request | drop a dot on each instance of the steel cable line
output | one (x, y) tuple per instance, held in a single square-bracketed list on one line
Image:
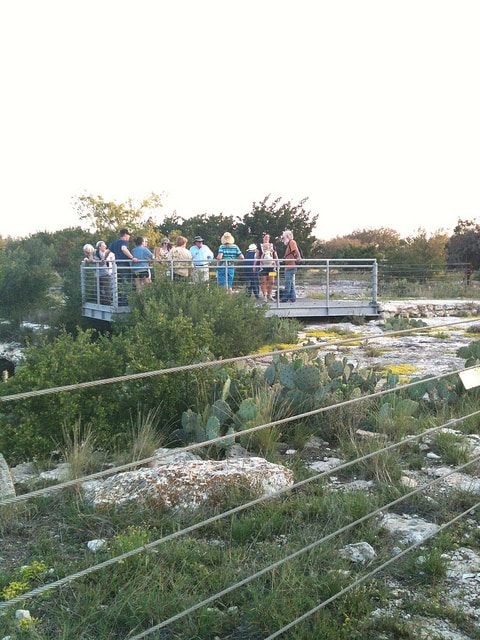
[(303, 550), (201, 365), (201, 445), (151, 545), (369, 575)]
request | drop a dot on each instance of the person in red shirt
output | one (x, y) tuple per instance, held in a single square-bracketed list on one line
[(290, 257)]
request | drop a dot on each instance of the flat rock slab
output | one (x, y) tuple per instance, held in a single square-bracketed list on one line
[(188, 484)]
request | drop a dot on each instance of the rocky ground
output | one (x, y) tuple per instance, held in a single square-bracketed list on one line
[(426, 353)]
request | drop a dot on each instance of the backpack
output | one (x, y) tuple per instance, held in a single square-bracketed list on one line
[(267, 259), (299, 259)]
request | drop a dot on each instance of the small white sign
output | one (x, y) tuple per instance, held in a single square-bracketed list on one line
[(470, 378)]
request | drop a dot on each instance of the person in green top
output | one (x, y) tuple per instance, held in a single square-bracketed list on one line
[(228, 252)]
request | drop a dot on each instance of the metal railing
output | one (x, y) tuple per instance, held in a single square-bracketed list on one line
[(107, 288)]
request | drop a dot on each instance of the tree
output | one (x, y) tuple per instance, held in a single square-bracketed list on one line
[(26, 275), (211, 228), (418, 257), (361, 243), (273, 218), (107, 217), (464, 245)]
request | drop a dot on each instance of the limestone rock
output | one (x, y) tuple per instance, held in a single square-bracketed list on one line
[(7, 490), (408, 529), (359, 552), (188, 484)]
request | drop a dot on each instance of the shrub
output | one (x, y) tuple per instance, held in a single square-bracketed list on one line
[(227, 319), (170, 325)]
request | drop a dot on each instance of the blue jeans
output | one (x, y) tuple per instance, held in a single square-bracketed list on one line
[(252, 284), (289, 291), (225, 276)]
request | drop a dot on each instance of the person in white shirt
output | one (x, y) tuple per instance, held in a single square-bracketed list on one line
[(201, 255)]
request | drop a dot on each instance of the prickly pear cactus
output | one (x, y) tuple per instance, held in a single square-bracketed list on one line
[(270, 374), (190, 421), (247, 410), (285, 375), (335, 369), (307, 378), (321, 394), (221, 410), (229, 441), (212, 428), (299, 401)]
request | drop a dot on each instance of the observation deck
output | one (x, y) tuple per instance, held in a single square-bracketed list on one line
[(325, 288)]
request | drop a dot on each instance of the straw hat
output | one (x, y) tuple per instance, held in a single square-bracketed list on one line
[(227, 238)]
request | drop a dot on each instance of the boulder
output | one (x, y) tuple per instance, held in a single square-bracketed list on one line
[(188, 484)]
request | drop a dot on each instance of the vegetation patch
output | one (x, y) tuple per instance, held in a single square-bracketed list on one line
[(405, 371)]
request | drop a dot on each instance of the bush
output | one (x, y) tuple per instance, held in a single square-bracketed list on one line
[(170, 325), (227, 320)]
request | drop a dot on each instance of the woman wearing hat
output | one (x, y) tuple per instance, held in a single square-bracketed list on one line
[(201, 254), (228, 252)]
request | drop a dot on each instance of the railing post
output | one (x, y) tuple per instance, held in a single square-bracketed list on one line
[(83, 284), (97, 281), (374, 282), (114, 287), (327, 283), (278, 282)]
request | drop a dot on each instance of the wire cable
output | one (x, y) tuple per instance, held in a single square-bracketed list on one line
[(111, 561), (238, 434), (201, 365), (296, 554), (372, 573)]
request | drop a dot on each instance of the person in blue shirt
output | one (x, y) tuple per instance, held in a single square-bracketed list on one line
[(122, 255), (201, 255), (141, 269), (228, 252)]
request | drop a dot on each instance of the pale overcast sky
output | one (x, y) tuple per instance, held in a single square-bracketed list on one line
[(370, 108)]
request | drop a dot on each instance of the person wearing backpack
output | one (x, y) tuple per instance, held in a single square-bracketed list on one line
[(292, 257), (267, 262)]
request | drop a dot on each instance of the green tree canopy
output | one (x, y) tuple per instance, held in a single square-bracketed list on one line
[(464, 244), (108, 217), (26, 275), (210, 227), (274, 217), (361, 243)]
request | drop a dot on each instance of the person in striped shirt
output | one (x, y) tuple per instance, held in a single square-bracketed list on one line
[(228, 252)]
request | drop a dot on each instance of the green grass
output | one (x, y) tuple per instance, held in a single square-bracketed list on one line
[(46, 538), (142, 590)]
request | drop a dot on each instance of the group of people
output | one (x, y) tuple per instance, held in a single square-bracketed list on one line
[(135, 263), (263, 264), (260, 269)]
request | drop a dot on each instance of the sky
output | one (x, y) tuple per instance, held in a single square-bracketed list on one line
[(368, 108)]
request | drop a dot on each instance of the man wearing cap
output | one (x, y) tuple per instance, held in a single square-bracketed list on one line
[(201, 255), (122, 254)]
